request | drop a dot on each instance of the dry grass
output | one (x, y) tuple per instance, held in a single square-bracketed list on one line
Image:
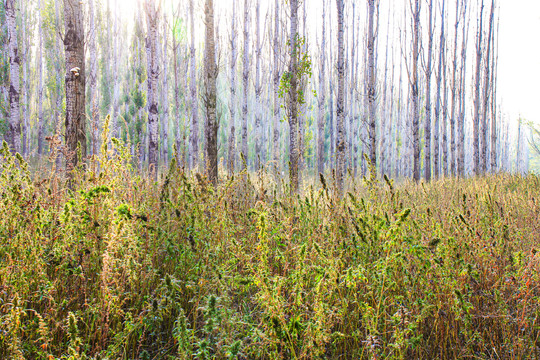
[(118, 267)]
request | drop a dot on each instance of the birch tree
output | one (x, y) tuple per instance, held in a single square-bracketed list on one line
[(245, 86), (436, 125), (165, 96), (414, 89), (322, 96), (41, 119), (486, 96), (194, 137), (477, 94), (14, 77), (93, 74), (232, 105), (152, 14), (372, 85), (258, 88), (276, 79), (427, 127), (292, 98), (340, 111), (75, 79), (211, 72)]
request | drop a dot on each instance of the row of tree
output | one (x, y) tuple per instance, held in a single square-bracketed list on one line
[(397, 92)]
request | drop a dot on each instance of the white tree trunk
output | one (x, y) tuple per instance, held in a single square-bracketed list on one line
[(40, 82), (152, 84), (340, 111), (14, 78), (165, 97), (194, 150), (245, 87)]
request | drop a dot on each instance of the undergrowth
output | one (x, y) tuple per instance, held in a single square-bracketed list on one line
[(111, 265)]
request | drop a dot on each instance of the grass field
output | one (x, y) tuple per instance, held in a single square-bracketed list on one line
[(118, 267)]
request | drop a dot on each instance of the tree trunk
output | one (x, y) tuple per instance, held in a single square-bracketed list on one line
[(25, 88), (414, 91), (340, 113), (75, 81), (436, 125), (165, 97), (93, 80), (115, 72), (232, 105), (292, 100), (14, 73), (372, 88), (276, 62), (322, 96), (152, 84), (487, 87), (453, 159), (245, 87), (211, 72), (462, 88), (194, 159), (40, 82), (427, 128), (477, 91), (258, 89)]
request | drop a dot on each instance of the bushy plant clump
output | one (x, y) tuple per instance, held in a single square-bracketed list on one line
[(111, 265)]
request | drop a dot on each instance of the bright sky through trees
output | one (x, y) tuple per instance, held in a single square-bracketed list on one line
[(519, 55)]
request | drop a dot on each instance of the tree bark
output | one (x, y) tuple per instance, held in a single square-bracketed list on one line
[(372, 88), (165, 97), (322, 96), (292, 100), (75, 78), (462, 92), (477, 92), (486, 97), (453, 135), (277, 76), (427, 127), (211, 72), (340, 113), (194, 140), (232, 105), (152, 14), (245, 87), (40, 82), (14, 78), (258, 89), (414, 91), (436, 125)]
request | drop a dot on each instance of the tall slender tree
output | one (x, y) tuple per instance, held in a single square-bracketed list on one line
[(194, 137), (292, 98), (340, 111), (14, 77), (427, 127), (41, 119), (165, 96), (372, 84), (75, 79), (322, 96), (477, 93), (277, 76), (258, 87), (245, 86), (152, 15), (210, 98), (414, 90), (484, 155)]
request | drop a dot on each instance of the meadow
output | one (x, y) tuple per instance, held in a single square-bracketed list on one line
[(112, 265)]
